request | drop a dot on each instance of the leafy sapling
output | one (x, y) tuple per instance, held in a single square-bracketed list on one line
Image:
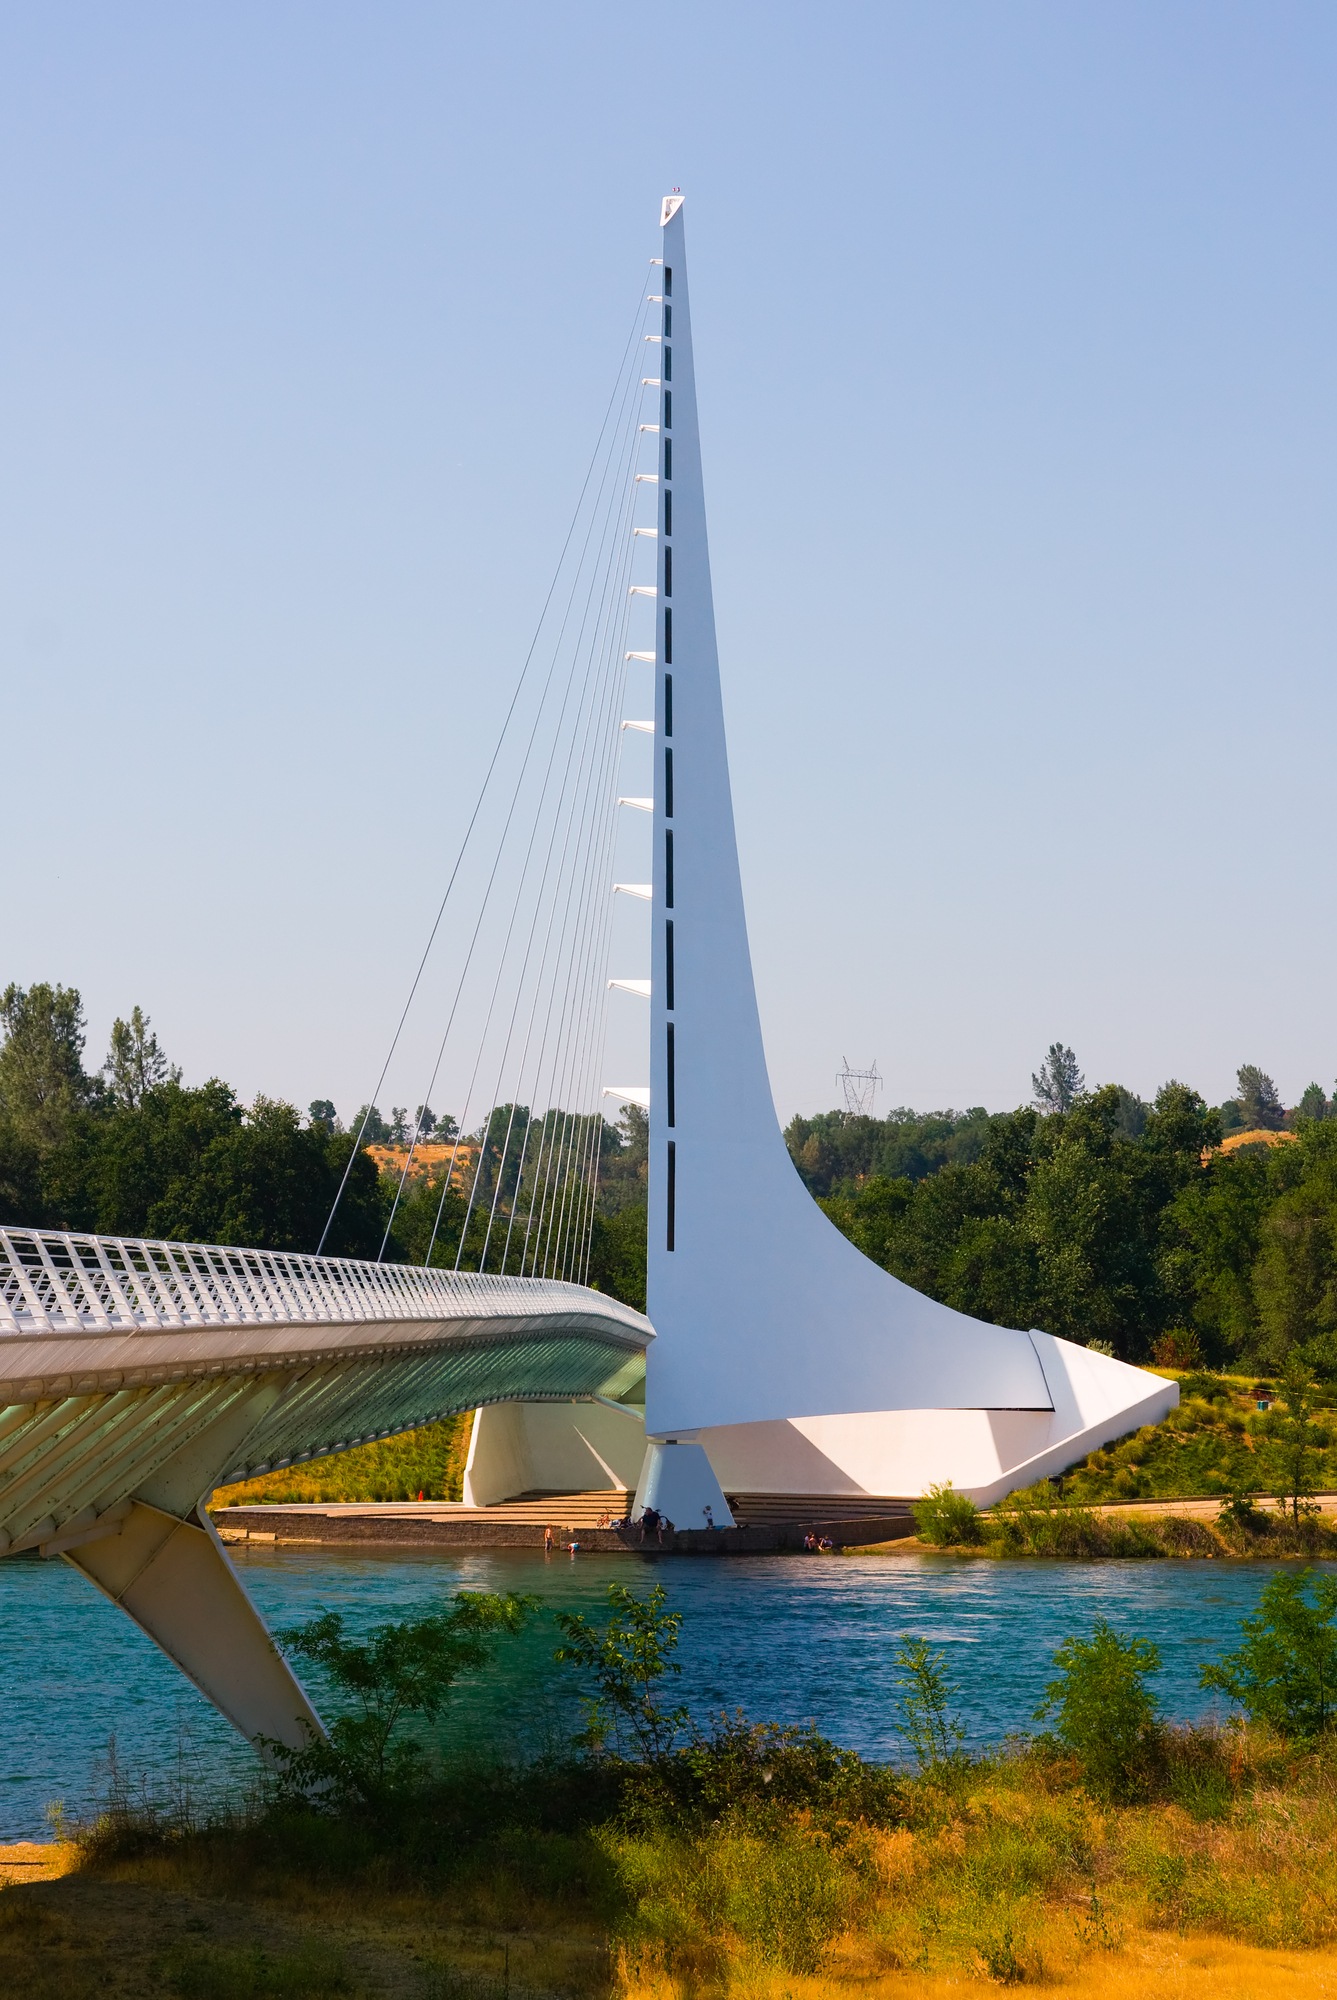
[(401, 1672), (1285, 1671), (1296, 1441), (623, 1665), (927, 1692), (1104, 1712)]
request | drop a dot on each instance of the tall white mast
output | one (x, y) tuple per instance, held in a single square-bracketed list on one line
[(765, 1314)]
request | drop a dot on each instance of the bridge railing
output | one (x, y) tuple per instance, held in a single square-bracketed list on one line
[(54, 1282)]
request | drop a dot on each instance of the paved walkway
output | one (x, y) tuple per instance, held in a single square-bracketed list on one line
[(1204, 1510)]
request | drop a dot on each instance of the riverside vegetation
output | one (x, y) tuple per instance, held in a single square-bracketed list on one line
[(1282, 1447), (649, 1859), (1092, 1213)]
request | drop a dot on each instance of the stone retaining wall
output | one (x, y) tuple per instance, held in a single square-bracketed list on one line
[(384, 1527)]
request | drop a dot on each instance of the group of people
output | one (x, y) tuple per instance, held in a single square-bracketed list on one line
[(651, 1522), (817, 1545)]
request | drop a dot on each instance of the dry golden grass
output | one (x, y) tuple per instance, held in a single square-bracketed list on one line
[(1150, 1966), (1013, 1875)]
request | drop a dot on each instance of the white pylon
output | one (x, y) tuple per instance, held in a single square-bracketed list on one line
[(795, 1361)]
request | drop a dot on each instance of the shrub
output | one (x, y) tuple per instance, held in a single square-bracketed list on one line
[(1241, 1511), (927, 1723), (744, 1769), (1179, 1348), (1285, 1672), (947, 1518), (1105, 1713), (404, 1669), (623, 1665)]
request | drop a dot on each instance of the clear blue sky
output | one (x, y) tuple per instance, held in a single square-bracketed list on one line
[(1015, 334)]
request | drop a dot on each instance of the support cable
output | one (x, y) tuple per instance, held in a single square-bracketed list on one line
[(487, 779)]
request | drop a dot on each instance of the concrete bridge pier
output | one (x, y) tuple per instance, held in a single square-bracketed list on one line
[(173, 1577), (159, 1558)]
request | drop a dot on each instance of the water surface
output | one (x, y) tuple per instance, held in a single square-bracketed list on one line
[(787, 1638)]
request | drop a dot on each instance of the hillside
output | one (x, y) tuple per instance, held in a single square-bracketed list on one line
[(430, 1461), (1217, 1442)]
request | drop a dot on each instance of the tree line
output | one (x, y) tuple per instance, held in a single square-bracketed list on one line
[(128, 1149), (1103, 1218), (1089, 1212)]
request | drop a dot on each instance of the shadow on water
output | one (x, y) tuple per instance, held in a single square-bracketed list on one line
[(790, 1639)]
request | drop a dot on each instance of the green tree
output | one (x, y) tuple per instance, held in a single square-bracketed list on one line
[(1058, 1082), (135, 1061), (1294, 1275), (1104, 1712), (42, 1080), (624, 1158), (369, 1127), (1314, 1102), (623, 1664), (197, 1166), (21, 1193), (1296, 1439), (617, 1255), (1211, 1233), (1260, 1106), (836, 1154), (1285, 1671), (321, 1111), (871, 1214), (402, 1673)]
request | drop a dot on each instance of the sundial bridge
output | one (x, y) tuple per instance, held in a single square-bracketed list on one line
[(774, 1357)]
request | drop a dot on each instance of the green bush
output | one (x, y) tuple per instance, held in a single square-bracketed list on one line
[(927, 1722), (1285, 1672), (947, 1518), (745, 1769), (623, 1666), (404, 1671), (1105, 1714)]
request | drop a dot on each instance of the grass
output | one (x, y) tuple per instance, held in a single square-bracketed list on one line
[(1037, 1523), (429, 1460), (1216, 1442), (577, 1880)]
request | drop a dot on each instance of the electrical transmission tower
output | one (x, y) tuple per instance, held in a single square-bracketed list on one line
[(860, 1089)]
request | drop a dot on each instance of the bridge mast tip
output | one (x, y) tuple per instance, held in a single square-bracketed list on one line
[(669, 207)]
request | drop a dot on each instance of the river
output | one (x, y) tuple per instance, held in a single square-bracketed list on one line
[(785, 1638)]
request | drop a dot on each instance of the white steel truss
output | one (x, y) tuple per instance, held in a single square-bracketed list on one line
[(55, 1282)]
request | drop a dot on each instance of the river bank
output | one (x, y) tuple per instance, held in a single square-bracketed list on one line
[(1195, 1529), (1009, 1871)]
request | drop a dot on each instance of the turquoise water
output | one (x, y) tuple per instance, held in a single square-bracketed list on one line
[(786, 1638)]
